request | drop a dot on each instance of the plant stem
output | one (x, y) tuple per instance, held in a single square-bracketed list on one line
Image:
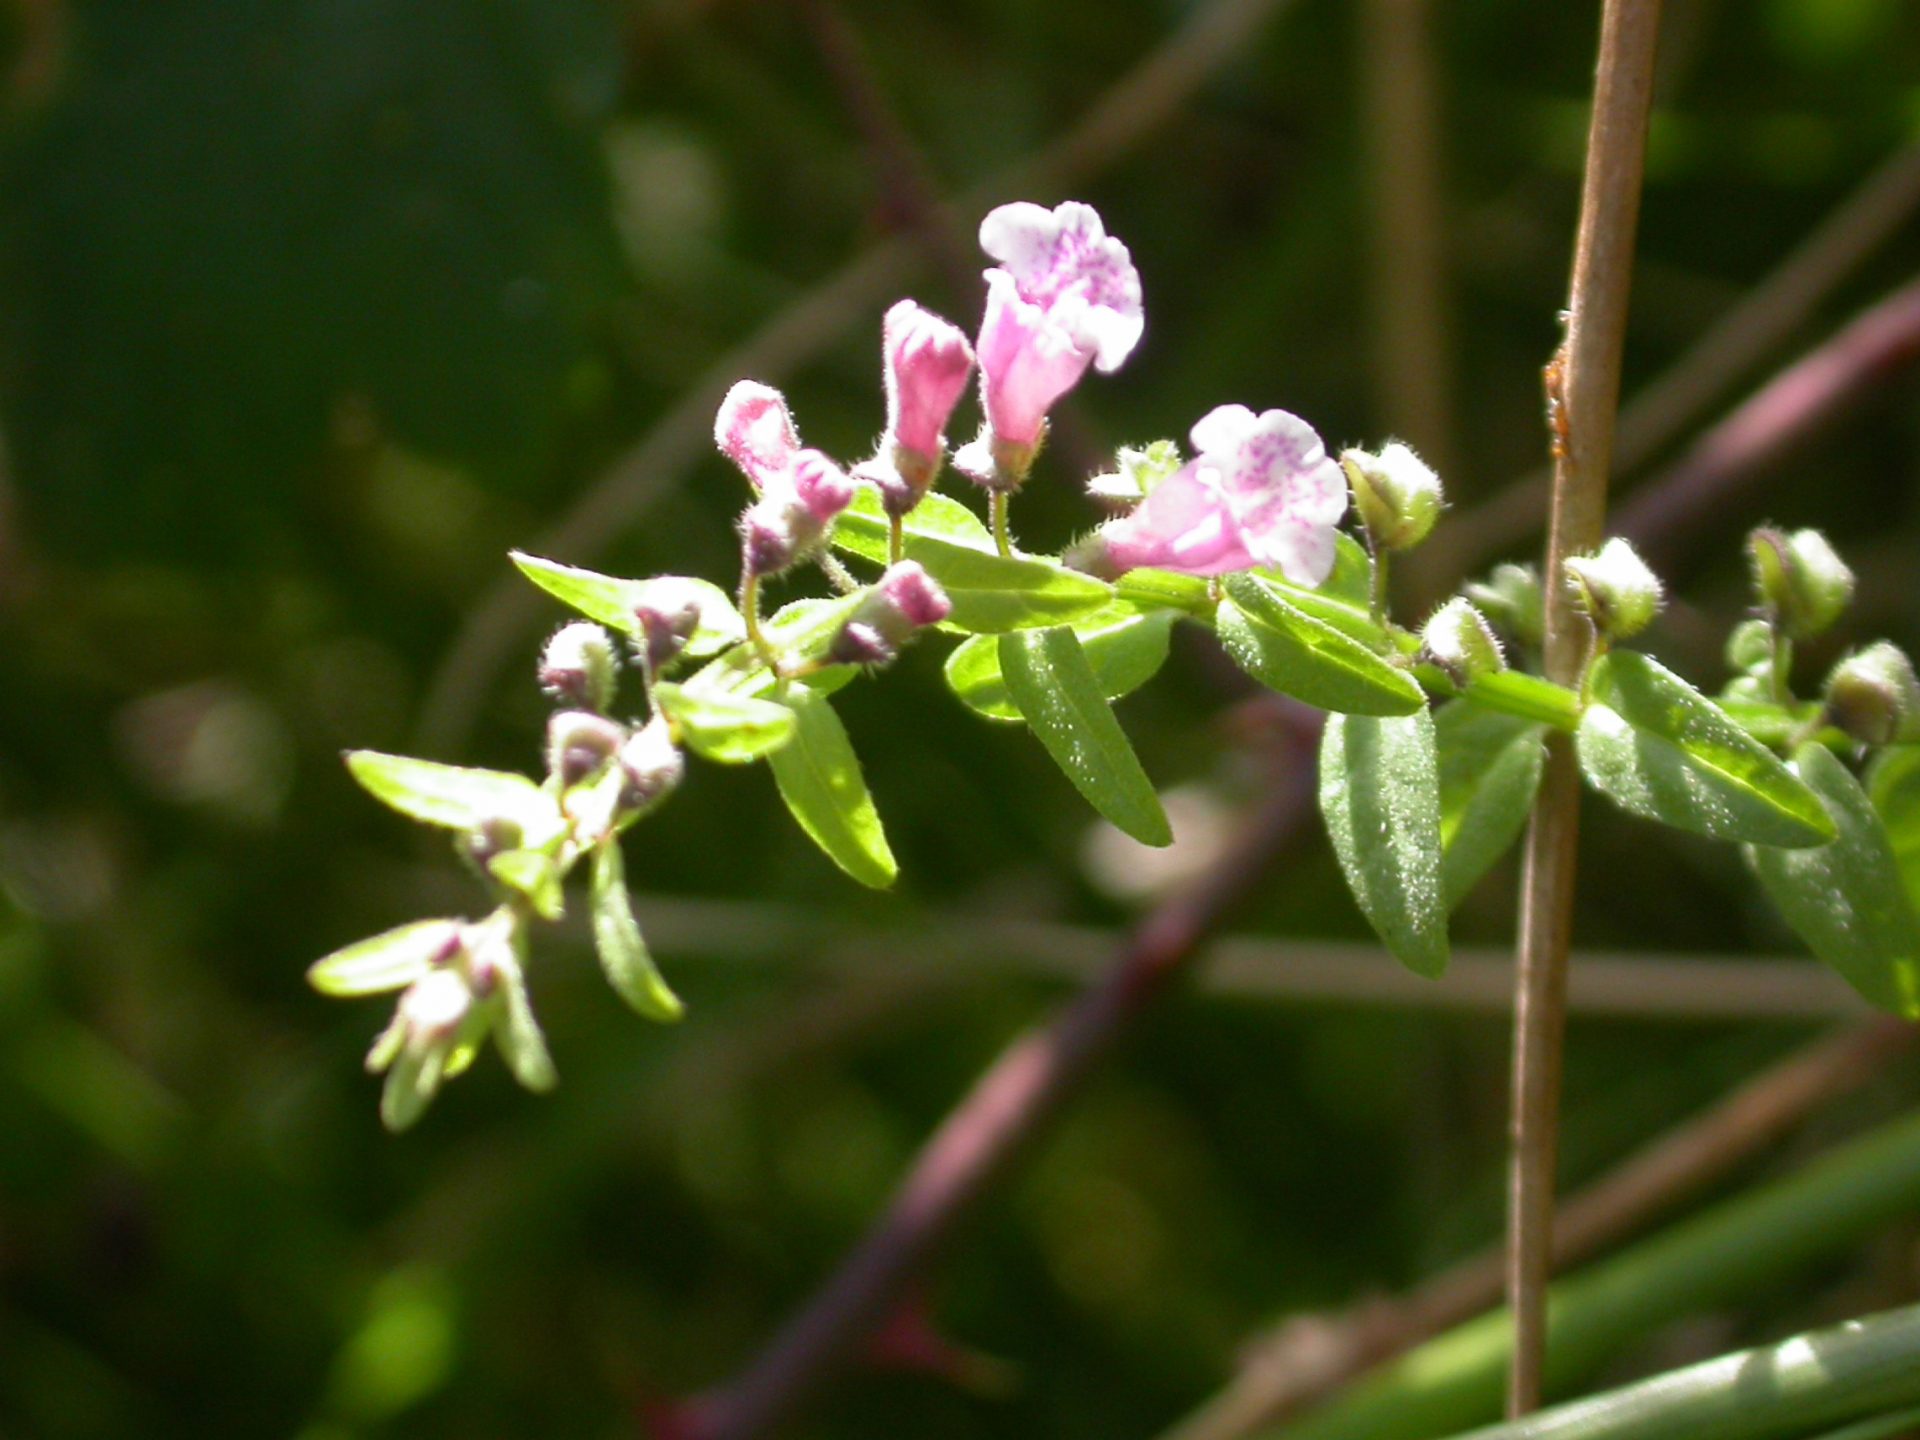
[(896, 539), (1002, 537), (1587, 397), (750, 615)]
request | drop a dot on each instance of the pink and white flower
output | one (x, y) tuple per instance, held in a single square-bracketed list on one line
[(801, 492), (1065, 296), (1262, 491)]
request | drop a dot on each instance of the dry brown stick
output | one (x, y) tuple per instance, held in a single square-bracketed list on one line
[(1770, 312), (1130, 109), (1305, 1360), (1007, 1108), (1584, 387)]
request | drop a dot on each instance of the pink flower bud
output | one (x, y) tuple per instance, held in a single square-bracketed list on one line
[(927, 365), (755, 430), (913, 595), (822, 487), (861, 644)]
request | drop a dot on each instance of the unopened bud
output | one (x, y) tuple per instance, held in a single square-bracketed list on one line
[(491, 838), (904, 601), (1874, 697), (1750, 647), (1460, 642), (770, 535), (1511, 598), (579, 744), (1615, 589), (578, 665), (822, 486), (1799, 579), (926, 365), (1396, 492), (666, 629), (651, 765)]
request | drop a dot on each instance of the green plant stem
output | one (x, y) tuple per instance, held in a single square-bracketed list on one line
[(1377, 583), (1840, 1374), (1782, 665), (896, 539), (997, 505), (1587, 395), (1726, 1255), (750, 615)]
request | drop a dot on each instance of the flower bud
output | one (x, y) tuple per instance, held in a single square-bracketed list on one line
[(1396, 492), (1511, 598), (579, 744), (770, 532), (434, 1007), (905, 599), (665, 630), (1459, 641), (755, 431), (578, 665), (1874, 697), (823, 488), (491, 838), (1750, 648), (652, 766), (1615, 589), (1799, 580), (926, 365)]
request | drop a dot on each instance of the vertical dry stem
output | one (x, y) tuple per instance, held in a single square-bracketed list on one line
[(1586, 385)]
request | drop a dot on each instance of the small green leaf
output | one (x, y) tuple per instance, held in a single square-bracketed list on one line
[(517, 1034), (992, 594), (1893, 780), (732, 729), (1050, 680), (533, 874), (457, 797), (413, 1079), (1287, 650), (1847, 900), (862, 528), (389, 961), (1526, 697), (1165, 589), (801, 634), (1125, 646), (612, 602), (624, 958), (1380, 795), (1489, 770), (1658, 748), (819, 778)]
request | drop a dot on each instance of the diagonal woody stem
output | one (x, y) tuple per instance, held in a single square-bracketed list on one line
[(1584, 386)]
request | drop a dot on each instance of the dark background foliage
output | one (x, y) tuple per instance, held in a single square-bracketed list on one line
[(309, 311)]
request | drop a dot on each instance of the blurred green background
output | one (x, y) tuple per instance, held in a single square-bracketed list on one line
[(310, 310)]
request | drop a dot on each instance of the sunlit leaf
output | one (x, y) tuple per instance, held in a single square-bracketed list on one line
[(456, 796), (1287, 650), (624, 957), (730, 728), (819, 778), (1380, 796), (613, 602), (1489, 769), (992, 594), (1658, 748), (389, 961), (862, 528), (1051, 682), (1125, 646), (1847, 899)]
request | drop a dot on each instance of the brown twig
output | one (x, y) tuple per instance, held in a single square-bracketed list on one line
[(1130, 109), (1307, 1359), (1007, 1108), (1587, 372)]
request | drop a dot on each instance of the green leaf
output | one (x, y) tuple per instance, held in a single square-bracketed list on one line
[(1380, 795), (819, 778), (732, 729), (1489, 769), (1526, 697), (1658, 748), (517, 1033), (1893, 780), (1848, 900), (413, 1079), (624, 958), (1155, 589), (534, 874), (862, 528), (1125, 646), (389, 961), (457, 797), (1349, 583), (992, 594), (1287, 650), (801, 634), (1053, 685), (612, 602)]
